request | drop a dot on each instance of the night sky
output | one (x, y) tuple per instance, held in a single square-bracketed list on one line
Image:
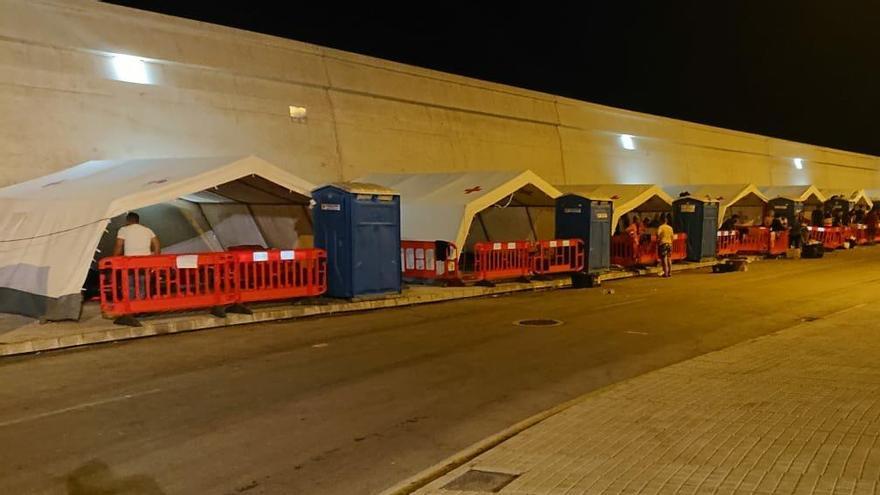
[(804, 70)]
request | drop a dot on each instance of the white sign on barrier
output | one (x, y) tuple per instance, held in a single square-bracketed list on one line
[(187, 261), (496, 246), (552, 243), (511, 245), (260, 256), (566, 243), (288, 254)]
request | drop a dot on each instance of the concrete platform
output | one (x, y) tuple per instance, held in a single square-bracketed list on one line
[(21, 335)]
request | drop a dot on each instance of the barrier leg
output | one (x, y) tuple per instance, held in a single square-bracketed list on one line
[(128, 321)]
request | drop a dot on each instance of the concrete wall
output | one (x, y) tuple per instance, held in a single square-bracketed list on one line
[(221, 91)]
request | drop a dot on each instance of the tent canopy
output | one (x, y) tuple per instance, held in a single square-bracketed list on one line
[(441, 206), (802, 194), (857, 197), (51, 226), (624, 197), (727, 195)]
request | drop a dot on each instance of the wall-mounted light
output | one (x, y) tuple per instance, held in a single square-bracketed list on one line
[(298, 114), (129, 68), (627, 142), (799, 163)]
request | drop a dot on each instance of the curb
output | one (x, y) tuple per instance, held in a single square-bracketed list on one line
[(455, 461), (191, 323), (180, 324)]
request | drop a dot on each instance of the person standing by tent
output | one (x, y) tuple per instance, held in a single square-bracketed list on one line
[(665, 236), (730, 223), (134, 239)]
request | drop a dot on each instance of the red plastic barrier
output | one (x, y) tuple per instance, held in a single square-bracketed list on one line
[(779, 242), (419, 261), (727, 243), (166, 282), (754, 240), (280, 274), (501, 260), (679, 247), (558, 256), (859, 232), (628, 251), (830, 237)]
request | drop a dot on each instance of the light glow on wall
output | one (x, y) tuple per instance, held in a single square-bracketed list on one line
[(799, 163), (627, 142), (298, 114), (129, 68)]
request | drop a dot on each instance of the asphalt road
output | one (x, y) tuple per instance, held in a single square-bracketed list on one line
[(353, 404)]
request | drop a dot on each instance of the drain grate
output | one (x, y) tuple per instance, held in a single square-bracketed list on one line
[(481, 481), (538, 322)]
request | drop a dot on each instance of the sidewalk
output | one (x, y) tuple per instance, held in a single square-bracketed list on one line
[(21, 335), (793, 412)]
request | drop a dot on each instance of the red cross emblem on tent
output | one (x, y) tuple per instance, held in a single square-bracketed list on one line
[(473, 189)]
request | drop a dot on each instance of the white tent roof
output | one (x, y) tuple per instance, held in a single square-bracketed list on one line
[(794, 193), (625, 197), (442, 206), (727, 195), (51, 226), (857, 196)]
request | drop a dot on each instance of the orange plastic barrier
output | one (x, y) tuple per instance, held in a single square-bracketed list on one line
[(679, 247), (779, 242), (628, 251), (830, 237), (419, 261), (167, 282), (754, 240), (279, 274), (727, 243), (558, 256), (501, 260), (859, 232)]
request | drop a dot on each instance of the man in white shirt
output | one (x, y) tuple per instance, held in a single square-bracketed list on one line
[(134, 239)]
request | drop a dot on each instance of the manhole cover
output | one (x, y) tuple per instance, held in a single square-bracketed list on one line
[(481, 481), (538, 322)]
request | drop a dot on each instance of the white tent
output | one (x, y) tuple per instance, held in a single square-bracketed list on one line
[(625, 198), (856, 197), (747, 198), (51, 226), (802, 194), (442, 206)]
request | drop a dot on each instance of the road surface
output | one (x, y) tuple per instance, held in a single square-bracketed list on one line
[(353, 404)]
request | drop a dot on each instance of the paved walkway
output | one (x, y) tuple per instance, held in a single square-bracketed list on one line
[(794, 412)]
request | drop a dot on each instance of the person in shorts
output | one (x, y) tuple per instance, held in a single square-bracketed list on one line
[(665, 236)]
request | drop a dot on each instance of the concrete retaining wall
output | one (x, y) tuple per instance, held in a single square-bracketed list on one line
[(221, 91)]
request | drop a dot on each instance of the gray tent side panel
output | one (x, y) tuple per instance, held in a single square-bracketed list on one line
[(36, 306)]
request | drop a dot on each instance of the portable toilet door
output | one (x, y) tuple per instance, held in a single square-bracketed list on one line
[(699, 220), (836, 204), (359, 227), (578, 217), (788, 208)]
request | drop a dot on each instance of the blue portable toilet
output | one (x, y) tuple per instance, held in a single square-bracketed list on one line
[(789, 208), (698, 218), (587, 219), (359, 227)]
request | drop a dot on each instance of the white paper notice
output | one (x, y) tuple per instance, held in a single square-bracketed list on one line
[(188, 261)]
